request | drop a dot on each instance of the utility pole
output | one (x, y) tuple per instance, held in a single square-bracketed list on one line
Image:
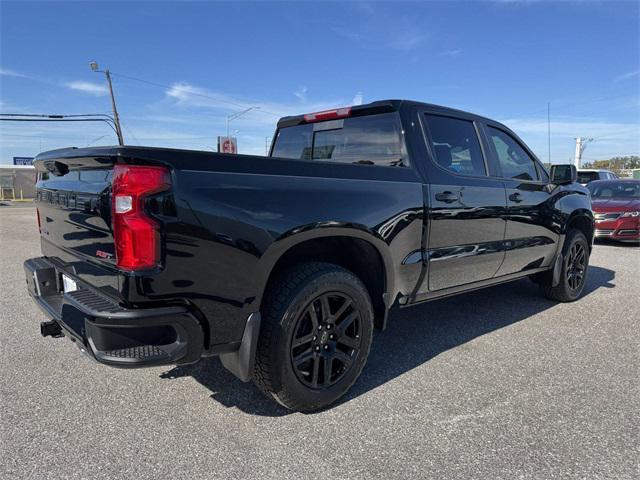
[(581, 144), (549, 130), (116, 117), (266, 146)]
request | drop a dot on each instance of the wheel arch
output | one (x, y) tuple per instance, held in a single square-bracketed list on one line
[(359, 251), (582, 220)]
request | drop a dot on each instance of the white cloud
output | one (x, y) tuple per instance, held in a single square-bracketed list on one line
[(87, 87), (570, 127), (610, 138), (301, 93), (450, 53), (188, 95), (358, 99), (407, 39), (11, 73), (627, 76)]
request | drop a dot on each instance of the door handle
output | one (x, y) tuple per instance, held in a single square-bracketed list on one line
[(515, 197), (447, 197)]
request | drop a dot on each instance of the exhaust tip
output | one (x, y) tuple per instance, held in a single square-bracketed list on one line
[(51, 329)]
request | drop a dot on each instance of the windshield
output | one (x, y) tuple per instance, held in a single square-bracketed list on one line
[(614, 189)]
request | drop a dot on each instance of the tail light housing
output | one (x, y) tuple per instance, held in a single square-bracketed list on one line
[(136, 235)]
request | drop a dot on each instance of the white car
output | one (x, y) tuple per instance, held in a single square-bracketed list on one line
[(586, 175)]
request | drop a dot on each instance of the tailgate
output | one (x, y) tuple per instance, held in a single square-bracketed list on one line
[(73, 198)]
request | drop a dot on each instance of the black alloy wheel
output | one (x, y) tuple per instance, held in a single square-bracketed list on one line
[(576, 266), (326, 340), (315, 335)]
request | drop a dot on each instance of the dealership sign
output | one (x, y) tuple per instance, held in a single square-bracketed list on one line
[(23, 160), (227, 145)]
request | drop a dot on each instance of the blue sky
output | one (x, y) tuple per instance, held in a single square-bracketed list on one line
[(503, 59)]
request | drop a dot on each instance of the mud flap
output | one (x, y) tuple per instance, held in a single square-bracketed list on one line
[(242, 361), (557, 270)]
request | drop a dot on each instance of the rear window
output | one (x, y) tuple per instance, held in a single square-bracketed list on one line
[(368, 140), (586, 177)]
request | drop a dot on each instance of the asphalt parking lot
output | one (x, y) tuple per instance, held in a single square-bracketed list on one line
[(497, 384)]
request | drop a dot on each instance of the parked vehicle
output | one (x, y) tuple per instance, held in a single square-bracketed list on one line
[(616, 206), (283, 266), (589, 175)]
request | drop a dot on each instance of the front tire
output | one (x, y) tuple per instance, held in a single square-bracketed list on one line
[(575, 264), (315, 336)]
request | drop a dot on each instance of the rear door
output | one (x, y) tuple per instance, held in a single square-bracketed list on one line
[(530, 237), (466, 205)]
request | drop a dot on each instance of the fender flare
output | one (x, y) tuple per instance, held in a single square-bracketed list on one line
[(585, 213), (299, 235)]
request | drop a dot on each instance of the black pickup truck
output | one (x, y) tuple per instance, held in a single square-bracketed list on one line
[(283, 265)]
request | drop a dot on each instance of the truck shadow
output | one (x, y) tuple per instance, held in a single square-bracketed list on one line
[(414, 336)]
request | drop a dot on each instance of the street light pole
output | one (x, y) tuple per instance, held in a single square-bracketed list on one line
[(116, 117), (236, 115)]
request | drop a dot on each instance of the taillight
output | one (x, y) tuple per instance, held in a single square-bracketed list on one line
[(135, 234), (39, 222), (328, 115)]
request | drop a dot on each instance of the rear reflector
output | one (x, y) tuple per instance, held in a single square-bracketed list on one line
[(328, 115), (135, 234), (39, 221)]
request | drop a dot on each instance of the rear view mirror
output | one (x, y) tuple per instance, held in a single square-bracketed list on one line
[(563, 174)]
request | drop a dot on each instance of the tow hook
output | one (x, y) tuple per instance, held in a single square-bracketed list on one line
[(51, 329)]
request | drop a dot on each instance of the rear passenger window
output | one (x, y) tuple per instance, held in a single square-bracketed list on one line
[(367, 140), (455, 145), (514, 161)]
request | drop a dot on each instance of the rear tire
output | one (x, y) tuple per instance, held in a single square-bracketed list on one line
[(575, 264), (315, 336)]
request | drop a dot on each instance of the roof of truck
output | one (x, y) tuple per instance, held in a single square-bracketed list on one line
[(380, 106)]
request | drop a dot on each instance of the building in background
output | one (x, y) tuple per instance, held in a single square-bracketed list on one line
[(17, 182)]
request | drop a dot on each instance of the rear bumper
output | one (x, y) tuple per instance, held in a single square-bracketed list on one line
[(110, 333)]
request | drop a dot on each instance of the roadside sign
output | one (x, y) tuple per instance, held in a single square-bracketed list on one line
[(23, 160), (227, 145)]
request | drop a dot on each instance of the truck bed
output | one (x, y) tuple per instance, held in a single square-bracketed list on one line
[(226, 221)]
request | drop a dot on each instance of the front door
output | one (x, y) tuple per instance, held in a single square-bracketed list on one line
[(466, 206), (530, 238)]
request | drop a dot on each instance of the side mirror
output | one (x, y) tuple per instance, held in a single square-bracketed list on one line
[(563, 174)]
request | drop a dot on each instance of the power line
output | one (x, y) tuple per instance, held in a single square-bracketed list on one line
[(35, 135), (130, 132), (189, 92), (621, 132), (58, 120)]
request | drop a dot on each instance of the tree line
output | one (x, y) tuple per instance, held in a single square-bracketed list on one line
[(615, 164)]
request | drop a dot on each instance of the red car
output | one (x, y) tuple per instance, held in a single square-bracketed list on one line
[(616, 207)]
